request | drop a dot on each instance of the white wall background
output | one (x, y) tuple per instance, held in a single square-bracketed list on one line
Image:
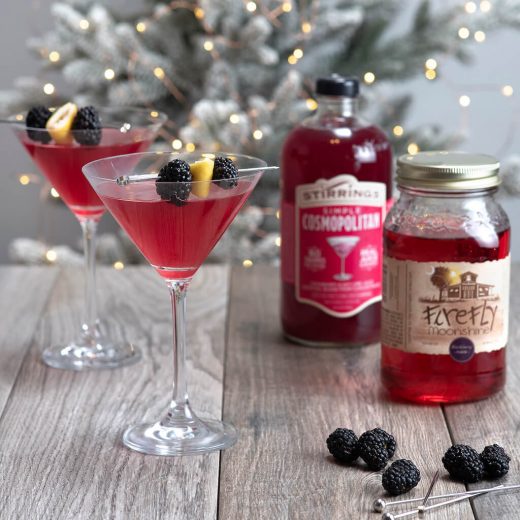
[(490, 123)]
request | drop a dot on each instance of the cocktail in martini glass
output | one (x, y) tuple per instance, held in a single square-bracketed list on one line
[(343, 246), (61, 142), (175, 220)]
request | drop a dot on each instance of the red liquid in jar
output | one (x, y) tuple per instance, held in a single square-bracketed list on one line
[(439, 378), (310, 154)]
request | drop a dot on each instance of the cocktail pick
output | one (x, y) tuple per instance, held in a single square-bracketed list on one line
[(430, 489), (127, 179), (422, 510)]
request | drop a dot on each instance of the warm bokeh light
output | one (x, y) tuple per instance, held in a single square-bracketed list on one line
[(234, 119), (51, 255), (84, 24), (398, 130), (430, 63), (54, 193), (54, 56), (430, 74), (258, 134), (176, 144), (208, 45), (251, 7), (480, 36), (49, 89), (24, 179), (507, 90), (140, 27), (118, 266), (109, 74), (190, 147), (158, 72), (369, 78), (464, 33), (470, 7), (312, 104), (413, 148), (298, 53), (464, 101), (247, 263)]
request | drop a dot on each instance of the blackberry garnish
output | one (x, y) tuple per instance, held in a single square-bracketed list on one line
[(342, 444), (463, 463), (37, 117), (176, 171), (495, 460), (86, 127), (401, 476), (225, 171)]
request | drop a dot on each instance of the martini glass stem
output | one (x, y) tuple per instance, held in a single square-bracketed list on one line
[(179, 406), (342, 257), (90, 325)]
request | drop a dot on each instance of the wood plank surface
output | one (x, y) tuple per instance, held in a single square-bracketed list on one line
[(60, 451), (286, 399), (25, 292), (496, 420)]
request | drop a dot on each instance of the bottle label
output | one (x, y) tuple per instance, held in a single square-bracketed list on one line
[(339, 244), (452, 308)]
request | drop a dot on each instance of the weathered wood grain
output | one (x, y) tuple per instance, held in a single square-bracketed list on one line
[(60, 451), (24, 294), (496, 420), (286, 399)]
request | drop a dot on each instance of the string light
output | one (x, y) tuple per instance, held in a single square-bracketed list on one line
[(199, 13), (190, 147), (208, 45), (430, 74), (431, 63), (398, 130), (480, 36), (54, 193), (369, 78), (176, 144), (154, 113), (413, 148), (292, 59), (49, 89), (51, 255), (140, 27), (19, 117), (298, 53), (118, 266), (247, 263), (287, 7), (277, 214), (306, 27), (278, 241), (24, 179), (251, 7), (109, 74), (54, 56), (84, 24), (485, 6), (507, 90), (159, 72), (258, 134), (312, 104), (464, 33), (464, 101), (470, 7), (234, 119)]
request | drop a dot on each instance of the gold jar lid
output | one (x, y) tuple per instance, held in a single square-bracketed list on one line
[(447, 171)]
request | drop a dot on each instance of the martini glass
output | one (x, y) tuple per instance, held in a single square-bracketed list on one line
[(124, 131), (175, 240), (343, 246)]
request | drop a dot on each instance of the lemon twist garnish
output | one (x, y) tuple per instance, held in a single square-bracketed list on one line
[(60, 122)]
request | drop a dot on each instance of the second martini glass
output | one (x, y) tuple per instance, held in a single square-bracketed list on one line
[(124, 131), (175, 239)]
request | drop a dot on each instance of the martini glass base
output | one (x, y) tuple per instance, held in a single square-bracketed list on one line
[(342, 277), (191, 436), (86, 354)]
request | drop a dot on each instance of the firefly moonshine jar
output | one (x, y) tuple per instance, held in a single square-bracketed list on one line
[(445, 280)]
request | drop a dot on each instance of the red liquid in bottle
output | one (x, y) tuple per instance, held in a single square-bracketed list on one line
[(332, 144), (439, 378)]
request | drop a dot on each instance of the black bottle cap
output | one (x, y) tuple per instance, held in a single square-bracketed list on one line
[(336, 85)]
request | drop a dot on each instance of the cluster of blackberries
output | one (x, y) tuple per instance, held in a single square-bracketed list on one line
[(375, 447), (466, 465)]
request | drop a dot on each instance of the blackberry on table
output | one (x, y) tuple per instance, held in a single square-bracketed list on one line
[(86, 127), (401, 476), (463, 463), (376, 447), (37, 117), (342, 444), (495, 460), (225, 171), (176, 171)]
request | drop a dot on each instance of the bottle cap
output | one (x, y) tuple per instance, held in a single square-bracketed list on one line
[(336, 85), (447, 171)]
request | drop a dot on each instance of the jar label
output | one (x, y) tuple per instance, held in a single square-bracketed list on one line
[(339, 244), (452, 308)]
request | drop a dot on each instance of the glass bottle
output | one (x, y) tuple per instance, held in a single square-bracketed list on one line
[(336, 180), (446, 280)]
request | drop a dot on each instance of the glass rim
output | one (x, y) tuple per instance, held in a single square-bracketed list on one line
[(91, 165), (158, 119)]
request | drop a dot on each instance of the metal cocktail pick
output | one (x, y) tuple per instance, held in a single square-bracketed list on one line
[(422, 510), (127, 179)]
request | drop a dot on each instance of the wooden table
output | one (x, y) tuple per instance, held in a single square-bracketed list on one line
[(60, 450)]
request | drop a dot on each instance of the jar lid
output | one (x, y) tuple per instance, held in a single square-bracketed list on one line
[(337, 85), (448, 171)]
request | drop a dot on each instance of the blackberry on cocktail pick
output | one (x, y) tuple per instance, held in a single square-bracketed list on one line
[(37, 117), (225, 171), (174, 182), (342, 445), (86, 127)]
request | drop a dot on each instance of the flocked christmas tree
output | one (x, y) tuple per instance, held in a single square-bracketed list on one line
[(237, 75)]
